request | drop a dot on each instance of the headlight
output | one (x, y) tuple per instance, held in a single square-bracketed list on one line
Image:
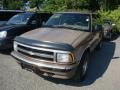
[(3, 34), (64, 58), (15, 46)]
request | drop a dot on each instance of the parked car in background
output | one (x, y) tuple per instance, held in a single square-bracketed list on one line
[(62, 48), (108, 29), (20, 24), (5, 15)]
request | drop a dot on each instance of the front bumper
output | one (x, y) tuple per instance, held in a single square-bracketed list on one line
[(49, 69)]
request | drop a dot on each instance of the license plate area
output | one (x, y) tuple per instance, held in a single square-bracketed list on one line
[(31, 68)]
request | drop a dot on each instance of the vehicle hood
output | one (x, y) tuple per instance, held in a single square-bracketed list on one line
[(57, 35), (8, 27)]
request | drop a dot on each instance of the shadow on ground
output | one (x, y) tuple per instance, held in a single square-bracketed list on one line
[(100, 61), (114, 37), (6, 51)]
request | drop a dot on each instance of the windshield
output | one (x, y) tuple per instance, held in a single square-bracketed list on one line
[(20, 18), (73, 21)]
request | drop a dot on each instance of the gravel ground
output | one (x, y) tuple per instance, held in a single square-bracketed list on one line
[(103, 73)]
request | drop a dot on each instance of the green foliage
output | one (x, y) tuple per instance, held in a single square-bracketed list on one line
[(108, 9), (34, 3), (63, 5), (107, 5), (113, 15), (12, 4)]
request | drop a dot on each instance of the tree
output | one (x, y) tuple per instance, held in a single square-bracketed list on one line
[(108, 4), (63, 5), (12, 4), (94, 5)]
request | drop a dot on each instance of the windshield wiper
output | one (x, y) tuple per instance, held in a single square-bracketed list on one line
[(62, 26), (65, 26)]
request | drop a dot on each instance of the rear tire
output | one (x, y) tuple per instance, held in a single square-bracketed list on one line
[(110, 36)]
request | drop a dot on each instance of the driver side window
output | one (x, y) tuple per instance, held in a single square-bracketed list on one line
[(34, 20)]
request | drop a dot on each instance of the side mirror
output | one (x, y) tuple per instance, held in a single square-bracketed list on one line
[(97, 28)]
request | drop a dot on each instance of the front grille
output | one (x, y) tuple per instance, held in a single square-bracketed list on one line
[(37, 54)]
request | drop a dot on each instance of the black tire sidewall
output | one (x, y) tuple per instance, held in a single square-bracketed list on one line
[(80, 75)]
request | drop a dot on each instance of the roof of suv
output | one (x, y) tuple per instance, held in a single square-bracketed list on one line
[(11, 11), (81, 12)]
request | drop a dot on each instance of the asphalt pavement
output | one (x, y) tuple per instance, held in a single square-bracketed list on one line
[(103, 73)]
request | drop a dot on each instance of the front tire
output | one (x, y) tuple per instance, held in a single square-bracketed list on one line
[(83, 67)]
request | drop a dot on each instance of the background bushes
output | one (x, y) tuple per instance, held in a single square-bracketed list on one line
[(113, 15), (108, 9)]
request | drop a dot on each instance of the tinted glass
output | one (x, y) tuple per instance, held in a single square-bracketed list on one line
[(77, 21), (20, 18)]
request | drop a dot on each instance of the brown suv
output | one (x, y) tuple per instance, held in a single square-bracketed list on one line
[(62, 47)]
